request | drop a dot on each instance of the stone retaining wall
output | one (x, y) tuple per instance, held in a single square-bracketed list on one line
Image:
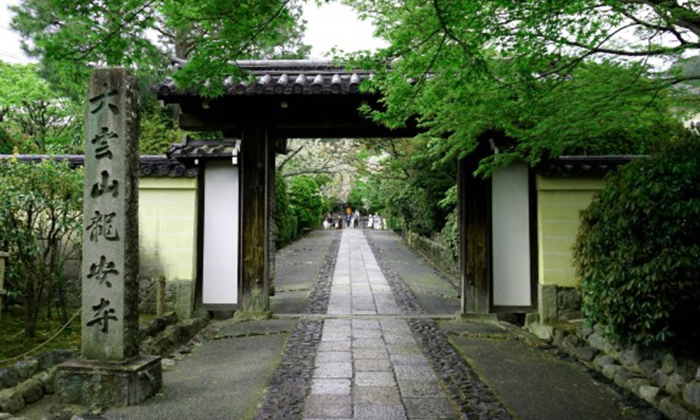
[(435, 252), (557, 303), (27, 381), (668, 382)]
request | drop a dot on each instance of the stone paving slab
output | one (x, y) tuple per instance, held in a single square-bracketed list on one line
[(333, 370), (333, 357), (330, 387), (473, 328), (368, 378), (420, 388), (373, 365), (374, 378), (268, 326), (331, 406)]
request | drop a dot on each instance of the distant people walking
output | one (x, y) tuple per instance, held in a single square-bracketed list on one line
[(327, 222), (377, 222), (370, 221)]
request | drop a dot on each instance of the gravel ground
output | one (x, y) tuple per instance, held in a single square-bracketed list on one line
[(318, 299), (291, 382)]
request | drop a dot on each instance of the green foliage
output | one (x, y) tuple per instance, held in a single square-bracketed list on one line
[(449, 235), (446, 71), (158, 131), (298, 206), (401, 178), (33, 117), (285, 221), (305, 202), (40, 225), (638, 252), (13, 343), (71, 37)]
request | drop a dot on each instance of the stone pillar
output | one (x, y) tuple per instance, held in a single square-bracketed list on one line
[(110, 371), (547, 303), (3, 292)]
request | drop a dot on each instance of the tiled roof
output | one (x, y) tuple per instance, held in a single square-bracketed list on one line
[(281, 77), (155, 166), (585, 166), (198, 149)]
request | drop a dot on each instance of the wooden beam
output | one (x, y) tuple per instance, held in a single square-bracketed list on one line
[(475, 247), (254, 286), (351, 128)]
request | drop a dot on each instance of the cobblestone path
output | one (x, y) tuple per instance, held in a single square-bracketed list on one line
[(368, 364)]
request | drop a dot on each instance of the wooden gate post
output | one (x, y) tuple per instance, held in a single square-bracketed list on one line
[(474, 239), (256, 149)]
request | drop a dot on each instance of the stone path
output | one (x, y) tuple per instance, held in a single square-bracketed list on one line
[(368, 364)]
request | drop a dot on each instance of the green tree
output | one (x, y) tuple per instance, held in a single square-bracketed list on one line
[(158, 131), (305, 202), (70, 37), (40, 224), (400, 178), (33, 116), (462, 72)]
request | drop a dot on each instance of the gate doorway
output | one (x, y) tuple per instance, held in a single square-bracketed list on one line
[(317, 99)]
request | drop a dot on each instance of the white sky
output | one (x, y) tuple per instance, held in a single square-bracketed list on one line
[(328, 26)]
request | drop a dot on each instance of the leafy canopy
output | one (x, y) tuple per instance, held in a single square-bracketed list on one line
[(72, 36), (467, 68)]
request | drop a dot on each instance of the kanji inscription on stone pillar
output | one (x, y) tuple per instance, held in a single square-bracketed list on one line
[(110, 218)]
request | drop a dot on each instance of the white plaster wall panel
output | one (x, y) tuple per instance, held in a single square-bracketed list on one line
[(221, 214), (511, 237)]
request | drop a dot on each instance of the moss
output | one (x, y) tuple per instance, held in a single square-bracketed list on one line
[(14, 343)]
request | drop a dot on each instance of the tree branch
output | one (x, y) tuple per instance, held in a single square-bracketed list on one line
[(112, 33), (290, 157)]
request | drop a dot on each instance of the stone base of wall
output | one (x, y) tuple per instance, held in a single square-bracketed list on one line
[(172, 336), (668, 382), (557, 303), (179, 297), (99, 384)]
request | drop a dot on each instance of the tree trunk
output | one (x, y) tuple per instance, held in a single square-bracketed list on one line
[(30, 317)]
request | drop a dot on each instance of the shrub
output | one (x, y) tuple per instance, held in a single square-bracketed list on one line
[(638, 253), (40, 225), (305, 202), (285, 221)]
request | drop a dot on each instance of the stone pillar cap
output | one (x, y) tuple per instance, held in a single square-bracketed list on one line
[(4, 254)]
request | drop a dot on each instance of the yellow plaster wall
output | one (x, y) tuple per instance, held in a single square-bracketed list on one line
[(559, 202), (168, 227)]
